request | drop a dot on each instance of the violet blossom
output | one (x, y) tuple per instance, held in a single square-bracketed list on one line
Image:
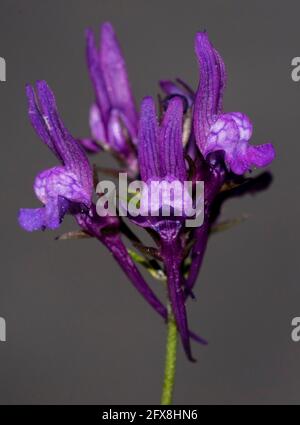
[(220, 133), (161, 158), (113, 117), (215, 130), (62, 189), (193, 139)]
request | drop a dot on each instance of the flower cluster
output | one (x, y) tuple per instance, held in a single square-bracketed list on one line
[(191, 138)]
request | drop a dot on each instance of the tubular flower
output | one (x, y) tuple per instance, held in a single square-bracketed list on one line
[(161, 158), (64, 188), (215, 130), (113, 117)]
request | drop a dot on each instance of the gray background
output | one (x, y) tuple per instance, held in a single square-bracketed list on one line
[(77, 331)]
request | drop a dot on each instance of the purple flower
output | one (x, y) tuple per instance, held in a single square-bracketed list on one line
[(215, 130), (64, 188), (161, 158), (68, 188), (113, 118)]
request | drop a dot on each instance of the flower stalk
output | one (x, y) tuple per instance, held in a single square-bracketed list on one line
[(170, 362)]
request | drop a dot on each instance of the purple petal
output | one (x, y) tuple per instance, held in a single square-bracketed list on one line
[(245, 159), (222, 76), (37, 120), (116, 133), (48, 217), (60, 191), (115, 75), (90, 145), (59, 182), (97, 126), (57, 189), (32, 219), (68, 149), (209, 95), (261, 155), (224, 135), (231, 133), (93, 61), (170, 142), (171, 88), (148, 141), (64, 188), (243, 123)]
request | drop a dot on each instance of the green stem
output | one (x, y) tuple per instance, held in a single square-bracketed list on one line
[(170, 362)]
